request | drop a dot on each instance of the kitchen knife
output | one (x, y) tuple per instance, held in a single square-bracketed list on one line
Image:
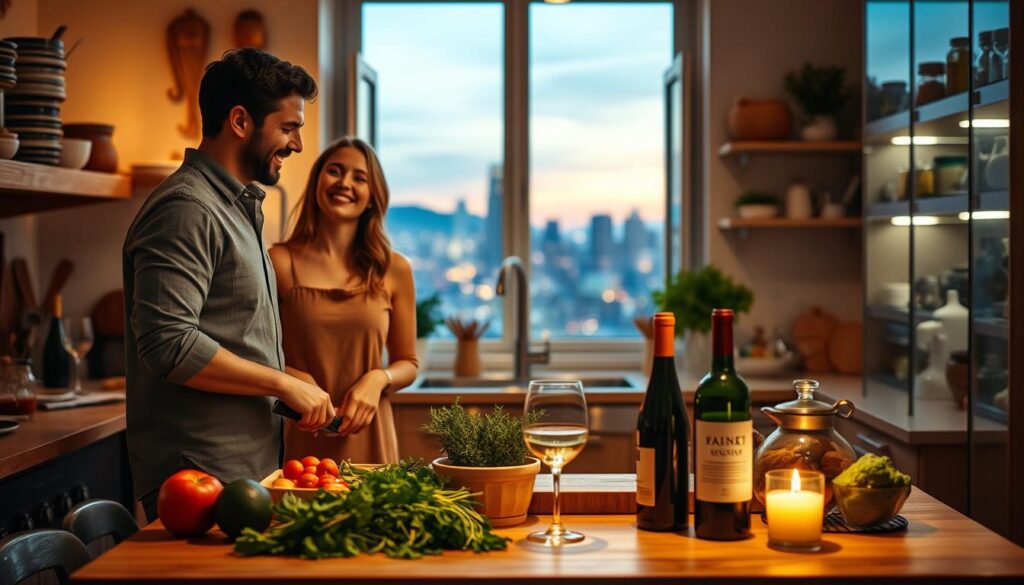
[(288, 412)]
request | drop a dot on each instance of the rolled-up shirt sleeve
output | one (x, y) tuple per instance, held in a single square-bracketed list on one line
[(174, 252)]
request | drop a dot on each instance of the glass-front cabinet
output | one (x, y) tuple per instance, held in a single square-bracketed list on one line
[(936, 160)]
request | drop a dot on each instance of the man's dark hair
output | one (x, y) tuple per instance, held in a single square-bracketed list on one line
[(253, 79)]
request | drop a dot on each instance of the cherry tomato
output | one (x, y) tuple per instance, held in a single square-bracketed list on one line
[(282, 482), (327, 466), (292, 469), (308, 480), (310, 460), (310, 469), (326, 479)]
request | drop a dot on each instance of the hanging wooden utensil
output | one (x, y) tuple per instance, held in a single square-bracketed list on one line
[(188, 44), (61, 273)]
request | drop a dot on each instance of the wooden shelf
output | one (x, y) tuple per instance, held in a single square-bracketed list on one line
[(30, 188), (741, 147), (737, 223)]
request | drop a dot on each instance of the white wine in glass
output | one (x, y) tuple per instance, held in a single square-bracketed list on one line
[(77, 342), (555, 430)]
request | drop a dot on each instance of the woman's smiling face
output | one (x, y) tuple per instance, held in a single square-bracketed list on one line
[(343, 189)]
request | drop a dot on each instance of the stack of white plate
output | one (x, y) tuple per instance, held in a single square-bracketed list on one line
[(32, 106), (8, 53)]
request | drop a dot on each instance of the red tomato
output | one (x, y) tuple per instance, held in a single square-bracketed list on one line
[(326, 479), (293, 469), (327, 466), (310, 460), (308, 480), (311, 469), (186, 500)]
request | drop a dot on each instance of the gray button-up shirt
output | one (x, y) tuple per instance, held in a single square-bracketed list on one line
[(196, 278)]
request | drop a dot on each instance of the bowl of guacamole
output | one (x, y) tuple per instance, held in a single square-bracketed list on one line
[(870, 491)]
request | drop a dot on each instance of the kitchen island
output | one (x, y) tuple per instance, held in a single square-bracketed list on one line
[(940, 546)]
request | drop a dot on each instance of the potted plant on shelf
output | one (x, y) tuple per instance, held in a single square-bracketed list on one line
[(822, 93), (757, 205), (427, 320), (487, 455), (691, 295)]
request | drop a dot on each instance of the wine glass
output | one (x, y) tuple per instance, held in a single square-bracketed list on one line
[(555, 430), (77, 340)]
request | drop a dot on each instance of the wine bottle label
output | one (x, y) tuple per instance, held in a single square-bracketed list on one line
[(644, 474), (725, 461)]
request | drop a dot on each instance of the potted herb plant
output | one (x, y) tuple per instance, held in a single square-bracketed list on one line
[(487, 455), (691, 295), (822, 93), (427, 320), (757, 205)]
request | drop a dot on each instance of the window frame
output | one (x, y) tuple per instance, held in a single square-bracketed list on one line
[(344, 37)]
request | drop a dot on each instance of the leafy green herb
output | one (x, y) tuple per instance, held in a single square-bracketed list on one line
[(692, 294), (757, 198), (474, 440), (401, 510), (820, 90), (427, 317)]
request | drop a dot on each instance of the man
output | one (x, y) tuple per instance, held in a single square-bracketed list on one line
[(203, 349)]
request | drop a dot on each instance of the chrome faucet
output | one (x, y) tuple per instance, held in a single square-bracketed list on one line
[(523, 357)]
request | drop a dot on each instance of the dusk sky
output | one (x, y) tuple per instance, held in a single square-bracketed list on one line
[(597, 128)]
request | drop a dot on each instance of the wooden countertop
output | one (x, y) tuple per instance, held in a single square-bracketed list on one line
[(941, 545), (52, 433)]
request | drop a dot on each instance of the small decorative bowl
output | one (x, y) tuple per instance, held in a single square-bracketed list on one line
[(868, 506)]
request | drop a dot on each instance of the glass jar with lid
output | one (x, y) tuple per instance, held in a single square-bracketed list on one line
[(958, 65), (999, 69), (986, 60), (806, 439), (17, 388), (931, 82)]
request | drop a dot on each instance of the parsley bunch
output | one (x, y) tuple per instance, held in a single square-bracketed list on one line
[(401, 510)]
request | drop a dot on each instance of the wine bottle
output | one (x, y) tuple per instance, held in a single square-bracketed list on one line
[(723, 452), (662, 475), (56, 361)]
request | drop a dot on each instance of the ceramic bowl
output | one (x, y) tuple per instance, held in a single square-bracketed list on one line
[(757, 211), (764, 366), (8, 147), (74, 152)]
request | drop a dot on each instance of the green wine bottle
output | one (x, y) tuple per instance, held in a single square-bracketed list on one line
[(723, 451)]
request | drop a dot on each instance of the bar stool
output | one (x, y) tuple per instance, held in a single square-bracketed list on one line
[(95, 519)]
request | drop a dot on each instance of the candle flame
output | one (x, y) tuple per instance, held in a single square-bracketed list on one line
[(794, 485)]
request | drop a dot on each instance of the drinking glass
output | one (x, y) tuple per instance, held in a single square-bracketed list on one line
[(77, 342), (555, 430)]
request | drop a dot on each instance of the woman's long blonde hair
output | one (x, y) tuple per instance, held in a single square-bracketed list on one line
[(371, 255)]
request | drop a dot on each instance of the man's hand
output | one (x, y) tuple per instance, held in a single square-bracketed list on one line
[(361, 401), (310, 401)]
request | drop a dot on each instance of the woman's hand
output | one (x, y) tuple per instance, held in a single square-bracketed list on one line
[(361, 401)]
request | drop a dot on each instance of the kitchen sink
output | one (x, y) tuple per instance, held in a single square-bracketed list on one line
[(511, 384)]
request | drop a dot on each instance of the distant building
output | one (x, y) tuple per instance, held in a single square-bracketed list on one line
[(602, 246), (492, 244), (636, 239)]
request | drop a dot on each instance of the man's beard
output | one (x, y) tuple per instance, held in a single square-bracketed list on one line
[(259, 166)]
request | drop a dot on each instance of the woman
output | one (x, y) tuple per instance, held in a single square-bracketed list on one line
[(345, 296)]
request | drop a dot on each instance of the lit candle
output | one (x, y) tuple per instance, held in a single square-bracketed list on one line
[(795, 511)]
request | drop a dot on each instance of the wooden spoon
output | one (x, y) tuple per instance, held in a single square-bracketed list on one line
[(61, 273)]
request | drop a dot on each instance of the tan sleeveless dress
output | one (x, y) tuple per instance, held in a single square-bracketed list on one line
[(337, 335)]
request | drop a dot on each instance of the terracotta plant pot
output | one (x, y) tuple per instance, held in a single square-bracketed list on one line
[(504, 492), (752, 119), (103, 158)]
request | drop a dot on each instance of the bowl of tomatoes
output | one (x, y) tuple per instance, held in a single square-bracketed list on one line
[(307, 476)]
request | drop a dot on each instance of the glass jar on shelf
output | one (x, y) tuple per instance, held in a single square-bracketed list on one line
[(1001, 50), (984, 68), (931, 82), (950, 174), (958, 65), (17, 388)]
